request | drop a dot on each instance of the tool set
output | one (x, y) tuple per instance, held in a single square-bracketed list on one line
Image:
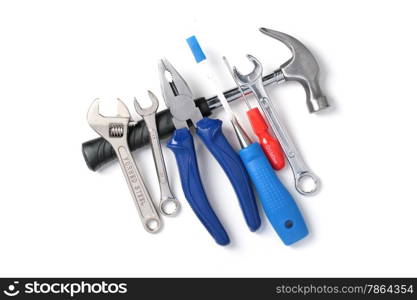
[(278, 204), (253, 164)]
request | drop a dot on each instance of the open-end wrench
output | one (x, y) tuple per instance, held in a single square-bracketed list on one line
[(114, 130), (301, 172), (168, 204)]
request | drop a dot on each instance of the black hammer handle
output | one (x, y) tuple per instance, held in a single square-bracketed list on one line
[(98, 151)]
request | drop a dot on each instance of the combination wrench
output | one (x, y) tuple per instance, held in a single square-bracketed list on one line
[(301, 172), (168, 204), (114, 131)]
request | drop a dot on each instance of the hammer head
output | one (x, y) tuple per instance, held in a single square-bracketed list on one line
[(301, 67)]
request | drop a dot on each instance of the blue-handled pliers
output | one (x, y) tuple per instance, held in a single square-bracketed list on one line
[(179, 99)]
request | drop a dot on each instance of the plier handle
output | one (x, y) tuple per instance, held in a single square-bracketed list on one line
[(179, 99)]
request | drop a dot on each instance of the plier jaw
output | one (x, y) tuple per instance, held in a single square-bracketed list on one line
[(178, 96)]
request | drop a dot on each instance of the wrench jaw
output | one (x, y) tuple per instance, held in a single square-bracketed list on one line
[(148, 110), (154, 100), (122, 110), (96, 121), (249, 79), (93, 115), (257, 70), (109, 127)]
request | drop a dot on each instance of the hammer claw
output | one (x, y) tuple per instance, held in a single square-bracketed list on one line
[(301, 67)]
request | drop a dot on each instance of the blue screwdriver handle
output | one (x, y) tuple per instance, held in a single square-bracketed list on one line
[(210, 131), (182, 145), (280, 207)]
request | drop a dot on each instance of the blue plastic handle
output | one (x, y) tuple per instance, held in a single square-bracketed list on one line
[(210, 131), (280, 207), (182, 145)]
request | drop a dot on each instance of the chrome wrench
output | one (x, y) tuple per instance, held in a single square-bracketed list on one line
[(168, 204), (114, 130), (301, 172)]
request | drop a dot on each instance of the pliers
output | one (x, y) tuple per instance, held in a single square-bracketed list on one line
[(179, 99)]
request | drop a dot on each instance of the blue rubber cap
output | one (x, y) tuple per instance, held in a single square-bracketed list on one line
[(196, 49)]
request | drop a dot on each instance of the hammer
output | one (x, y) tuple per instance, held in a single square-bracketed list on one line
[(301, 67)]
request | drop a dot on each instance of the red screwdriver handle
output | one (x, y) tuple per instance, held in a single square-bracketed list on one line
[(270, 145)]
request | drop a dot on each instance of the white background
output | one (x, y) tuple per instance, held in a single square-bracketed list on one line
[(58, 218)]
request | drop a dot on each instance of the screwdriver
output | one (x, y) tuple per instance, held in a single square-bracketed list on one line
[(269, 144), (278, 204)]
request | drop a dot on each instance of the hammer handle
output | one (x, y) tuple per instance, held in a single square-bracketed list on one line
[(98, 152)]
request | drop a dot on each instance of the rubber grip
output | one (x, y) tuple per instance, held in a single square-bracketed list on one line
[(182, 145), (279, 206), (269, 144), (98, 152), (210, 131)]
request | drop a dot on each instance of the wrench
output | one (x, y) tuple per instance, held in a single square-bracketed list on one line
[(114, 130), (168, 204), (302, 174)]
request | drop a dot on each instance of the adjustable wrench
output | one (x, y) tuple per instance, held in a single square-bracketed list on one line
[(168, 204), (301, 172), (114, 131)]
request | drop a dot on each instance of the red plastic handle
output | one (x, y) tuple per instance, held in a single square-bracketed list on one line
[(270, 145)]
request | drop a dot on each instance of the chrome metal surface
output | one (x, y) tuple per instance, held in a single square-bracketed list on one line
[(177, 96), (114, 130), (301, 67)]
